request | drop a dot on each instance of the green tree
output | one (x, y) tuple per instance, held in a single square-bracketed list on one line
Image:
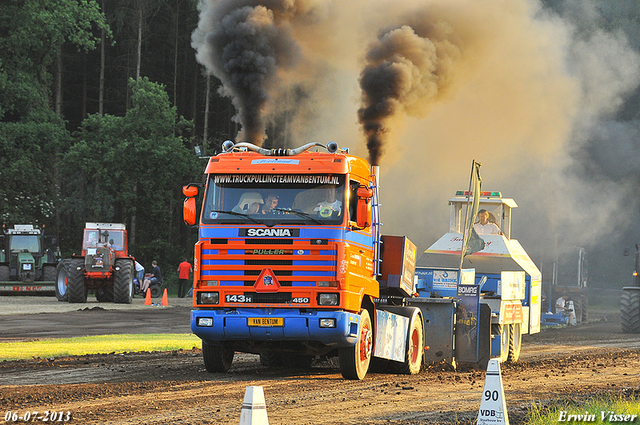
[(31, 135), (131, 169)]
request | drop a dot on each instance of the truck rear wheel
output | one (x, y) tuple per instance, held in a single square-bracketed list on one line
[(354, 361), (630, 310), (123, 282), (217, 359), (62, 273), (415, 350), (515, 342), (76, 289)]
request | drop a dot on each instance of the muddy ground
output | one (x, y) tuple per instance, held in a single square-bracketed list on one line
[(173, 388)]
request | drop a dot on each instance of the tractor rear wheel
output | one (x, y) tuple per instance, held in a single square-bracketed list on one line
[(630, 310), (62, 273), (76, 289), (515, 342), (270, 359), (104, 294), (5, 273), (217, 358), (354, 361), (49, 273), (585, 308), (503, 332), (123, 281)]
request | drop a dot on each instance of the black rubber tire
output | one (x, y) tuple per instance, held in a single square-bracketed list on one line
[(354, 361), (62, 273), (270, 359), (5, 273), (515, 342), (630, 310), (577, 308), (585, 308), (156, 290), (217, 359), (415, 351), (503, 331), (76, 289), (123, 281), (296, 361), (49, 273), (104, 294)]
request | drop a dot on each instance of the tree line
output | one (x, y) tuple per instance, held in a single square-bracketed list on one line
[(101, 106)]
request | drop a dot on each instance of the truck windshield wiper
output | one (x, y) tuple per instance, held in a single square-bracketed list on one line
[(238, 215), (300, 214)]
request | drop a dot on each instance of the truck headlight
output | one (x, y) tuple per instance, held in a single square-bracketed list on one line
[(209, 297), (328, 299), (205, 322)]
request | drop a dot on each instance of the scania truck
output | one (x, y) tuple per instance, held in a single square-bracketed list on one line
[(291, 264)]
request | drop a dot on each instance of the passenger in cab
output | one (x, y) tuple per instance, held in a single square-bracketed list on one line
[(270, 203)]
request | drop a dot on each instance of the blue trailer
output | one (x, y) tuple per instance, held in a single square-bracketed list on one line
[(480, 310)]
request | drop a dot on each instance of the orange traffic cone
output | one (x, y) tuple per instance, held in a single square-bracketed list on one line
[(165, 298), (147, 299)]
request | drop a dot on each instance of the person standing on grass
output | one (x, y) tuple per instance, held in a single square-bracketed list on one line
[(183, 278)]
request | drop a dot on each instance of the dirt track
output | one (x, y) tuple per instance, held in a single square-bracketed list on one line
[(173, 388)]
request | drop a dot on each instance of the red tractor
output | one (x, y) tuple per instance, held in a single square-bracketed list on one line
[(105, 267)]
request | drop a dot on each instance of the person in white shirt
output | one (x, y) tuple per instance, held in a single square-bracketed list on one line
[(484, 227), (562, 308), (330, 205)]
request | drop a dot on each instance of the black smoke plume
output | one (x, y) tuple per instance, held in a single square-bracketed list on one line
[(407, 68), (247, 44)]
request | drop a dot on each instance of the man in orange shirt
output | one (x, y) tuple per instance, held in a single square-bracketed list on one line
[(183, 278)]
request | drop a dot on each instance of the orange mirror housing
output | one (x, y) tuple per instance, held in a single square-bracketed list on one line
[(363, 219), (365, 192), (190, 190), (189, 211)]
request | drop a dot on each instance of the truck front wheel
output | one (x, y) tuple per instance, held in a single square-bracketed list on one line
[(76, 289), (354, 361), (217, 358)]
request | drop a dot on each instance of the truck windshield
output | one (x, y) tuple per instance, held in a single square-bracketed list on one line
[(273, 199), (21, 242)]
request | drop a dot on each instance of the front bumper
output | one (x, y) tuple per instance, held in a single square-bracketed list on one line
[(233, 325)]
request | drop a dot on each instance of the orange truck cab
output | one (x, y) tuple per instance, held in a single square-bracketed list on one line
[(287, 259)]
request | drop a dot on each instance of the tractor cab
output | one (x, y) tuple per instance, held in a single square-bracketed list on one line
[(498, 208)]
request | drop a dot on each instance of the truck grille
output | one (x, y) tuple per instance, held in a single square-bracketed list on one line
[(269, 298), (294, 262)]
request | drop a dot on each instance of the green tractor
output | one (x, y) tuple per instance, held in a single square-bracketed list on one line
[(28, 260)]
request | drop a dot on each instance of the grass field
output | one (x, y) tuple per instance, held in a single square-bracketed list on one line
[(101, 344)]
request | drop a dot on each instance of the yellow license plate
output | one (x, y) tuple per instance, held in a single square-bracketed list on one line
[(266, 321)]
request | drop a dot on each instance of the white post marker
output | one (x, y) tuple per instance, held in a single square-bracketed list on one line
[(254, 409), (493, 407)]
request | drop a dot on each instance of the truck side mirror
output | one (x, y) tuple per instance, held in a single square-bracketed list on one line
[(363, 213), (189, 211), (190, 190)]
